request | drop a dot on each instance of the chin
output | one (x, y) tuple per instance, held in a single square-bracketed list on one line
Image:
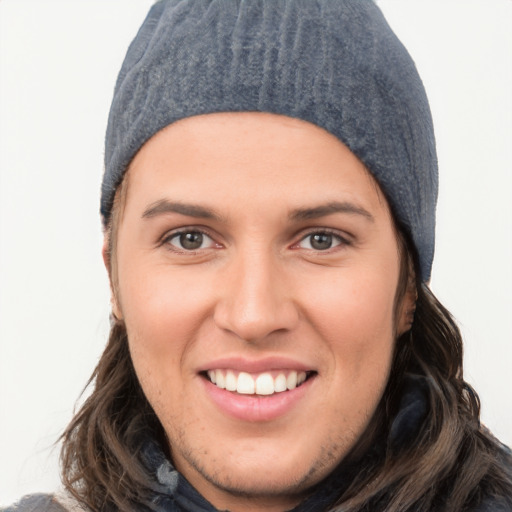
[(260, 482), (260, 471)]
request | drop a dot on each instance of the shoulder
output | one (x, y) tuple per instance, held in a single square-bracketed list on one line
[(58, 502)]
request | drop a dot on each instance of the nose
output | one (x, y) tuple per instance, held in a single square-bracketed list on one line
[(256, 299)]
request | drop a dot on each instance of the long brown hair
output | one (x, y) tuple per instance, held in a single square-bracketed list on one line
[(450, 463)]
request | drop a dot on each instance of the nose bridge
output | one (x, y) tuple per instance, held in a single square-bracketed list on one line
[(255, 301)]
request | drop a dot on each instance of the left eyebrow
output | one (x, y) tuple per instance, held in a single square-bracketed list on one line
[(328, 209), (190, 210)]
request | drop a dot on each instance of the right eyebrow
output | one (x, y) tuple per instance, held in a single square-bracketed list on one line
[(164, 206)]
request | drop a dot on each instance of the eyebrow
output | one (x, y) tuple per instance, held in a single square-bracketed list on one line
[(164, 206), (328, 209)]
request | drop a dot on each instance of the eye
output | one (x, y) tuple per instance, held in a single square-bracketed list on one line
[(320, 241), (190, 240)]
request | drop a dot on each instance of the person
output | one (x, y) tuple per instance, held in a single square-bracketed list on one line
[(269, 209)]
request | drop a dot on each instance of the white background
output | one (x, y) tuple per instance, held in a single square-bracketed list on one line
[(58, 64)]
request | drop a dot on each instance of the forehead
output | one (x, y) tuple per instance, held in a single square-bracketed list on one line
[(255, 155)]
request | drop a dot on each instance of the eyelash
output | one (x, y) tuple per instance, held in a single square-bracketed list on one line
[(166, 240)]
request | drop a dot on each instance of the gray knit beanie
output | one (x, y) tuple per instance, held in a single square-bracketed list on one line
[(334, 63)]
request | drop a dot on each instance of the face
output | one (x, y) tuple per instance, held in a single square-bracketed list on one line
[(256, 271)]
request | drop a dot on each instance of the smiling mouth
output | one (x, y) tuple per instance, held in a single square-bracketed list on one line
[(265, 383)]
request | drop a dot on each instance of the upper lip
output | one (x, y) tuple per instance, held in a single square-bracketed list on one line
[(256, 365)]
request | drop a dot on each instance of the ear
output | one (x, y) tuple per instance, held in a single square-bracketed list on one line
[(105, 252), (407, 311), (408, 306)]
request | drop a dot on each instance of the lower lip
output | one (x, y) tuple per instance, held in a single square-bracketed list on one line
[(256, 408)]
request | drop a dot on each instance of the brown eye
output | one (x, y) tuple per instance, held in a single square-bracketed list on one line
[(190, 241), (320, 241)]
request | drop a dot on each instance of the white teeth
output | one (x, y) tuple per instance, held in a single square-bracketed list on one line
[(231, 381), (291, 380), (265, 384), (220, 381), (280, 383), (262, 384), (245, 385)]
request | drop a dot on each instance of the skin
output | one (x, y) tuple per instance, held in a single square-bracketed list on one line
[(258, 287)]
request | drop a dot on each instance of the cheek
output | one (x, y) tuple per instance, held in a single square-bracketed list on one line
[(356, 301), (164, 313), (155, 299), (164, 318), (354, 313)]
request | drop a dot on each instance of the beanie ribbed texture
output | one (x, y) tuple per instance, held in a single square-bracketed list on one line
[(334, 63)]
